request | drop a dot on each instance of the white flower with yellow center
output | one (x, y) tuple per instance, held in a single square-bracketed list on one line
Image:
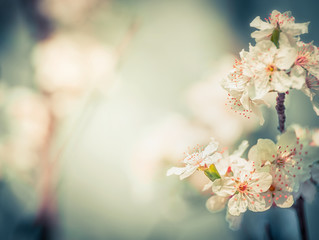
[(244, 189), (200, 159), (269, 67)]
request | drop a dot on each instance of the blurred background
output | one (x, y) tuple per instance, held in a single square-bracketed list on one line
[(99, 98)]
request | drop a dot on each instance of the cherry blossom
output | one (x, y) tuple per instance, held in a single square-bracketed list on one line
[(288, 161), (276, 173), (269, 67), (244, 189), (284, 22), (200, 159)]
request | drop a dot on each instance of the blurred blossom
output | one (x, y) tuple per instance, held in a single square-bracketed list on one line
[(68, 11), (163, 146), (29, 116), (28, 123), (69, 66), (207, 100)]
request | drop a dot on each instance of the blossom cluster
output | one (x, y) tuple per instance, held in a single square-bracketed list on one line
[(274, 174), (278, 62)]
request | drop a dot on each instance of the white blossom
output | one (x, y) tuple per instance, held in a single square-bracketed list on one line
[(244, 189), (216, 203), (281, 21), (288, 161), (263, 69), (200, 159), (269, 67)]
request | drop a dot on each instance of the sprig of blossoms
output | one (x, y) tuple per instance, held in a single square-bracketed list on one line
[(277, 63), (275, 173), (272, 174)]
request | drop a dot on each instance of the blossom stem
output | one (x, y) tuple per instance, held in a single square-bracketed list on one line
[(300, 210), (280, 107), (268, 231)]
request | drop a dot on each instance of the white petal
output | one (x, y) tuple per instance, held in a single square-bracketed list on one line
[(283, 199), (175, 170), (260, 35), (268, 47), (297, 28), (284, 41), (261, 154), (211, 148), (276, 12), (259, 24), (212, 159), (216, 203), (267, 197), (258, 113), (266, 150), (224, 187), (286, 57), (253, 154), (245, 99), (207, 186), (241, 149), (280, 81), (189, 170), (260, 182), (298, 77), (257, 204), (261, 85), (287, 140), (237, 204)]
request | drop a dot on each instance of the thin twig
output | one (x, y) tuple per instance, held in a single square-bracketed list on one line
[(300, 210), (299, 205), (268, 232), (280, 107)]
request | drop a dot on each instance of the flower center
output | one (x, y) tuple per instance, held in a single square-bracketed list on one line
[(272, 188), (271, 68), (281, 161), (242, 187)]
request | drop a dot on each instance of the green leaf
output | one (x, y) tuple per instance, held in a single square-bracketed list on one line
[(212, 173), (275, 36)]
